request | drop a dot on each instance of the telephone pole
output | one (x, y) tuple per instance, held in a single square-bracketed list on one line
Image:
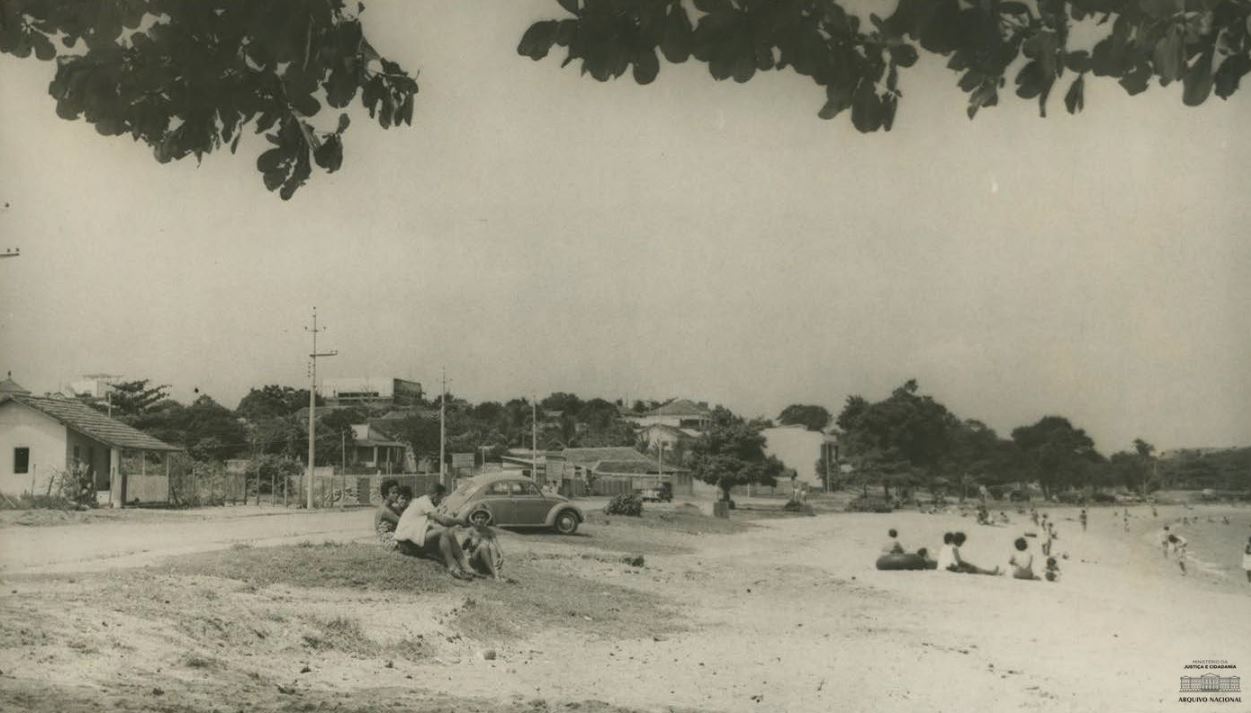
[(312, 406), (534, 439), (443, 428)]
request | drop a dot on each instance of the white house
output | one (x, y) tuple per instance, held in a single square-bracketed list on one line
[(42, 437), (799, 449), (681, 414)]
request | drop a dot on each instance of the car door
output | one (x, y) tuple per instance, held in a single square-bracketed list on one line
[(498, 499), (530, 506)]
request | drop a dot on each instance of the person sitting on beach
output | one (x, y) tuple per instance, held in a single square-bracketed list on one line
[(957, 563), (1053, 570), (1246, 559), (924, 554), (483, 551), (892, 546), (387, 516), (423, 531), (1022, 561)]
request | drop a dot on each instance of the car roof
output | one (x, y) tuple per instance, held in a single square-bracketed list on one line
[(496, 477)]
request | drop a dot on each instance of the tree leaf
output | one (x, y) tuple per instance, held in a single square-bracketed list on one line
[(1074, 97), (1197, 82), (866, 108), (646, 66), (538, 40), (838, 98)]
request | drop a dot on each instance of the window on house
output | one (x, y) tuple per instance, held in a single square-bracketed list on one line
[(21, 460)]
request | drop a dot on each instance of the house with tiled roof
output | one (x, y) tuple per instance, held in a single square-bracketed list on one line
[(679, 413), (615, 470), (44, 437)]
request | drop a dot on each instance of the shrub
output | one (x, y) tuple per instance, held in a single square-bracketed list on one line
[(625, 504), (870, 504), (1103, 498)]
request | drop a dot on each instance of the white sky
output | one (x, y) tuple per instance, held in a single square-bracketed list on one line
[(537, 231)]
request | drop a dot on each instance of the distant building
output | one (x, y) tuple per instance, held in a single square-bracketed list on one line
[(613, 470), (375, 392), (374, 447), (94, 385), (670, 437), (799, 450), (681, 413), (42, 437)]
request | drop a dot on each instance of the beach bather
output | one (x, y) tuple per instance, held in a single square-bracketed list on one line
[(1022, 561), (949, 558), (892, 546), (1246, 559)]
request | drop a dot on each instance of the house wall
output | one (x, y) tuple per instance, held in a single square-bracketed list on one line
[(92, 454), (24, 427)]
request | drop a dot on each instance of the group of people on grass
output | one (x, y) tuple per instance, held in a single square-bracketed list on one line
[(950, 559), (418, 528)]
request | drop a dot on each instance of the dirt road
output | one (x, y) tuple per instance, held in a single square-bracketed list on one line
[(94, 546)]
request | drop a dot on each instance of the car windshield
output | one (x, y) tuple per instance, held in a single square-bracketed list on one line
[(459, 496)]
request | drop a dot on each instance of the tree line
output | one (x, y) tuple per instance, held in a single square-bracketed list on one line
[(906, 441)]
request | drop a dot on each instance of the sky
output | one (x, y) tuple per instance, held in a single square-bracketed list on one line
[(536, 231)]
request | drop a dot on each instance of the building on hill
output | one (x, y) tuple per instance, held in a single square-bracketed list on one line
[(373, 392), (43, 438), (96, 386), (680, 413)]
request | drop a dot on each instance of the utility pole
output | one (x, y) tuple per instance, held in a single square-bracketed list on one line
[(534, 439), (312, 405), (443, 430)]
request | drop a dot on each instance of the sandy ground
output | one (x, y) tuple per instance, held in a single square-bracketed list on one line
[(788, 616)]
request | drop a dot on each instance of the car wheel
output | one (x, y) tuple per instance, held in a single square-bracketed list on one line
[(480, 518), (566, 522)]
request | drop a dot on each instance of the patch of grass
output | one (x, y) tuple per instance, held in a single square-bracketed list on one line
[(339, 634), (352, 566), (540, 597)]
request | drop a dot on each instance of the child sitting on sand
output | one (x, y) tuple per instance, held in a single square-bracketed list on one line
[(892, 546), (1053, 570)]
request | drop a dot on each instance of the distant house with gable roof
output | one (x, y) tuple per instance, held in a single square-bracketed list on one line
[(679, 413), (42, 437)]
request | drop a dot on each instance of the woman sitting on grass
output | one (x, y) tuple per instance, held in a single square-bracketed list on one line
[(388, 515)]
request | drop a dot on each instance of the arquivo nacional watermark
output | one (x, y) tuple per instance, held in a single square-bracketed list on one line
[(1210, 681)]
